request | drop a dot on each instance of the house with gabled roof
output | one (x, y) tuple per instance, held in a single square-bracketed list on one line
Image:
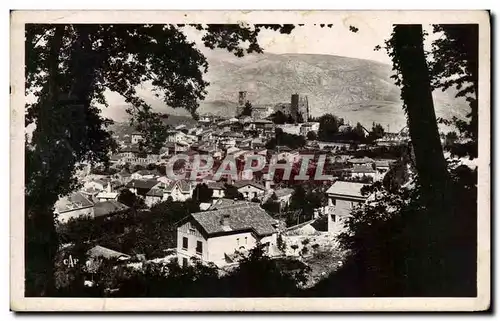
[(222, 236), (75, 205), (145, 174), (141, 187), (179, 190), (110, 207), (363, 171), (250, 189), (343, 197)]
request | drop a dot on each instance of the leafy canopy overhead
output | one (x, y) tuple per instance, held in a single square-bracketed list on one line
[(125, 56)]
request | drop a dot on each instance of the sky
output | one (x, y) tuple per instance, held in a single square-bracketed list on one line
[(337, 40), (311, 39)]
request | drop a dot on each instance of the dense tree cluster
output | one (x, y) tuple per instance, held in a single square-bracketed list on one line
[(285, 139), (256, 276)]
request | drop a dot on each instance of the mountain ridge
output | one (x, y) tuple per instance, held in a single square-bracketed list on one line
[(359, 90)]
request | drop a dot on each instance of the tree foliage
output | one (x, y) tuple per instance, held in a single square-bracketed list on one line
[(285, 139), (247, 110), (328, 127), (410, 239), (130, 199), (257, 275), (376, 132), (455, 65), (202, 194), (311, 135), (68, 70)]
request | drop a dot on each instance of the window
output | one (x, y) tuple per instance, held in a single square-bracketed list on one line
[(185, 243), (199, 247), (184, 262), (246, 240), (334, 202), (237, 241)]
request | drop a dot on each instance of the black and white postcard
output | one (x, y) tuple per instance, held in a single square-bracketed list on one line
[(250, 161)]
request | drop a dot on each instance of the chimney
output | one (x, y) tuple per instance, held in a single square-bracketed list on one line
[(224, 221)]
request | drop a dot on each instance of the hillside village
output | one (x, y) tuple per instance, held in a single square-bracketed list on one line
[(221, 220)]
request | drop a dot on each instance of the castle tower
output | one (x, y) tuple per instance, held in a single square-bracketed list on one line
[(299, 106)]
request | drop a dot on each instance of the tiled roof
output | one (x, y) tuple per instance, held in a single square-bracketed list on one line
[(346, 189), (262, 121), (155, 192), (224, 203), (363, 169), (142, 184), (90, 190), (240, 184), (183, 185), (103, 182), (107, 195), (98, 251), (232, 134), (238, 219), (363, 160), (74, 201), (216, 185), (283, 148), (384, 162), (144, 172), (108, 207)]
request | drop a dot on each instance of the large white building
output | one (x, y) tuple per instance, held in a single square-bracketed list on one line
[(342, 198), (223, 236)]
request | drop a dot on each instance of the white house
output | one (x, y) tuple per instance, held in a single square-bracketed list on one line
[(141, 187), (308, 127), (107, 196), (154, 195), (178, 190), (342, 198), (145, 174), (223, 236), (364, 171), (250, 189), (364, 161), (293, 129)]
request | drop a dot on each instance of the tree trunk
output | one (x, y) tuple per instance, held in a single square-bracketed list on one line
[(40, 235), (428, 248), (419, 106)]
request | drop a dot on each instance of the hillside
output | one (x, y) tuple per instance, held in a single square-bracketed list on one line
[(355, 89)]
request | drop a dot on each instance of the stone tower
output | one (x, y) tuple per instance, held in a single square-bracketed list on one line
[(299, 106)]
